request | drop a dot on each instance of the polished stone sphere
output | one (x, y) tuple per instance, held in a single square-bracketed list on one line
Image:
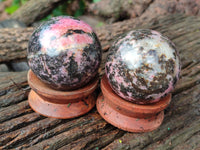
[(64, 53), (142, 66)]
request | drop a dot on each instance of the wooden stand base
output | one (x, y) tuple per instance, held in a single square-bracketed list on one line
[(60, 104), (129, 116)]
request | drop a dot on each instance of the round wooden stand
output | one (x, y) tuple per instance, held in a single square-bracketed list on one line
[(129, 116), (60, 104)]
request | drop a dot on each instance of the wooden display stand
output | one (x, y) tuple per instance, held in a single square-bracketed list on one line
[(60, 104), (129, 116)]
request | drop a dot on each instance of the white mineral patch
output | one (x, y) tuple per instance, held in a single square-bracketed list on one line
[(134, 57)]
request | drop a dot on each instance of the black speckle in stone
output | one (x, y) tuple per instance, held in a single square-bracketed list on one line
[(107, 69), (152, 52), (123, 89), (96, 43), (146, 66), (71, 32), (78, 31), (141, 34), (73, 67), (175, 54), (34, 44), (141, 48), (142, 81), (162, 59), (114, 84), (170, 64), (175, 80)]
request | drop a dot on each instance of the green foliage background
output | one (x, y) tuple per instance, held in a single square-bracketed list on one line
[(15, 5), (58, 11)]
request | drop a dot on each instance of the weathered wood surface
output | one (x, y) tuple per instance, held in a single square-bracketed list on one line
[(13, 43), (34, 10), (20, 127)]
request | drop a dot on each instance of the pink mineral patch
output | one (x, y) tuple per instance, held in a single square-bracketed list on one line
[(82, 39), (69, 23)]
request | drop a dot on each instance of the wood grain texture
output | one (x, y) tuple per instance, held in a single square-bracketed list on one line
[(34, 10), (21, 128)]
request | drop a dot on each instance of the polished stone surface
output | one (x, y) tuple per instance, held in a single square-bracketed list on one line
[(142, 66), (64, 52)]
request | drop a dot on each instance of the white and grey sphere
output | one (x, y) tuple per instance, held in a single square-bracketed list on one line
[(143, 66)]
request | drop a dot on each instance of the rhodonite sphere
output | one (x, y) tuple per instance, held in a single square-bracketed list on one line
[(64, 53), (142, 66)]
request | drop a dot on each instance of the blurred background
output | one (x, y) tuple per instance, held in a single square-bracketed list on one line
[(97, 13)]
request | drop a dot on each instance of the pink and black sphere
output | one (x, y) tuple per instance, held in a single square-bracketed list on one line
[(142, 66), (64, 53)]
